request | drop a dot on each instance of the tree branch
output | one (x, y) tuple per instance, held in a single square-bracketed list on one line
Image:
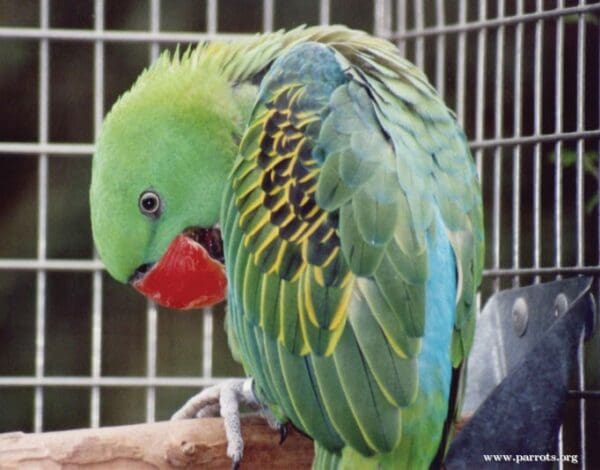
[(171, 444)]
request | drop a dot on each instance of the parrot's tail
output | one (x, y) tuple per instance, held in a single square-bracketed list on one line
[(350, 459), (326, 459), (347, 459)]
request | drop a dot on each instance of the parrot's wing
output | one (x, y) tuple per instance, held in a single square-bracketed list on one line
[(347, 157)]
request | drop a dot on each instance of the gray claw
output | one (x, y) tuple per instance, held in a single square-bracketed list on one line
[(283, 433)]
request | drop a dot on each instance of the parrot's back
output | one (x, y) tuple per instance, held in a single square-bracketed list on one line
[(353, 243)]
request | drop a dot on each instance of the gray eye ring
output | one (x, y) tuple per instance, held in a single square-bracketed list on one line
[(150, 203)]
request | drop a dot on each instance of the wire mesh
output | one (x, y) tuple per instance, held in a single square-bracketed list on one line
[(522, 77)]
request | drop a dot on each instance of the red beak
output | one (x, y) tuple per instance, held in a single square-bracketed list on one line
[(185, 277)]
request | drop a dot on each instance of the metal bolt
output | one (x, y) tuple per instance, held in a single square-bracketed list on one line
[(561, 305), (520, 316)]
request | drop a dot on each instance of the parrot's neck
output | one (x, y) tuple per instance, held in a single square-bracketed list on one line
[(245, 98)]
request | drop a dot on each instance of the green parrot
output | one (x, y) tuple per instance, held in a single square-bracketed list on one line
[(316, 181)]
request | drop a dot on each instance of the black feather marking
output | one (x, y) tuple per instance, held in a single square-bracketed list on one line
[(278, 119), (291, 131), (298, 171), (290, 229), (308, 186), (281, 101), (335, 272), (317, 252), (303, 209), (287, 145), (305, 151), (290, 264), (271, 127), (296, 195), (281, 168), (267, 183), (264, 160), (320, 233), (266, 143), (272, 200), (288, 183), (283, 146), (334, 218), (280, 180), (279, 216)]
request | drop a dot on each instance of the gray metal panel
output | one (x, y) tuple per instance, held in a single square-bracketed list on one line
[(511, 323)]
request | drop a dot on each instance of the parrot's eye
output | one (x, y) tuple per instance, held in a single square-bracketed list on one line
[(150, 204)]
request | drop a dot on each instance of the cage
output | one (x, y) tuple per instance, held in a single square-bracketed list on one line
[(78, 349)]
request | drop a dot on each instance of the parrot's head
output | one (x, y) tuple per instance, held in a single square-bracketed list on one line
[(158, 176)]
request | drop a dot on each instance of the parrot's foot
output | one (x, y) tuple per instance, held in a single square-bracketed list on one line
[(225, 399)]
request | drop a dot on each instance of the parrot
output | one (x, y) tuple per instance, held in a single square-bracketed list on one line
[(315, 181)]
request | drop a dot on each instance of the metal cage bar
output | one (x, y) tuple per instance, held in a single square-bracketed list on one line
[(40, 335), (268, 15), (96, 352), (517, 130), (151, 311), (537, 129), (480, 85), (581, 32), (498, 121), (324, 11), (460, 91)]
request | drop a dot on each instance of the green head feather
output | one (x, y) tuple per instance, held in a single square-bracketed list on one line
[(173, 133)]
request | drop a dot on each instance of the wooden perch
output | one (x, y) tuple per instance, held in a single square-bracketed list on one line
[(199, 443)]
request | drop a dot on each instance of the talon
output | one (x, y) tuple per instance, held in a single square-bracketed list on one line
[(283, 433)]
